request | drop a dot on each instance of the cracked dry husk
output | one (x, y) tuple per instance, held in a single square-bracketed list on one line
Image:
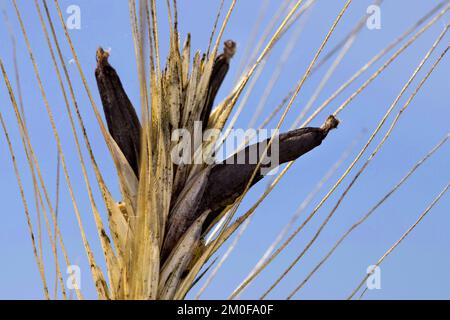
[(199, 196)]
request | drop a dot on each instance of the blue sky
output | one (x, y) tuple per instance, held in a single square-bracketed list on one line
[(418, 269)]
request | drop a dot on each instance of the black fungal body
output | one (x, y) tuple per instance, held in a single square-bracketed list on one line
[(219, 71), (228, 180), (234, 178), (121, 118)]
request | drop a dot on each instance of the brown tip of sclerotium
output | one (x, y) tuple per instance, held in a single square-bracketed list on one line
[(229, 48), (330, 124), (102, 56)]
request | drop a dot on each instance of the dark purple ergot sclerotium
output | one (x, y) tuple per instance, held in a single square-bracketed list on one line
[(121, 118)]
